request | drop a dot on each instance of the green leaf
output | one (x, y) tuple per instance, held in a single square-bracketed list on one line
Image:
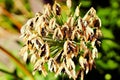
[(109, 45), (118, 23), (107, 33), (110, 64)]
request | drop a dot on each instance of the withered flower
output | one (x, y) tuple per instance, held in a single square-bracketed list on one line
[(60, 45)]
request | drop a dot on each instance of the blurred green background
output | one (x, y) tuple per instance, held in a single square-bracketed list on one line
[(15, 13)]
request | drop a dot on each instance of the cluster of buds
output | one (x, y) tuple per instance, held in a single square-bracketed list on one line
[(62, 46)]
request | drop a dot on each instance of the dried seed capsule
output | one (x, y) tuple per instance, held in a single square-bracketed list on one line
[(91, 13), (39, 42), (69, 3), (97, 23), (23, 50), (23, 53), (33, 58), (83, 62), (42, 29), (79, 23), (70, 22), (38, 14), (66, 31), (45, 51), (25, 56), (52, 65), (23, 31), (70, 49), (39, 66), (77, 11), (28, 27), (30, 24), (56, 9), (58, 57), (30, 45), (89, 31), (52, 24), (74, 34), (94, 53), (57, 34), (70, 68), (47, 10)]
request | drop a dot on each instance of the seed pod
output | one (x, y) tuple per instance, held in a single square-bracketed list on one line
[(94, 53), (82, 61), (25, 56), (56, 9), (66, 31), (70, 68), (52, 65), (70, 49), (77, 11), (97, 23), (33, 58), (43, 30), (69, 3), (38, 42), (39, 66), (89, 31), (47, 10), (30, 24), (76, 34), (44, 51), (57, 34), (52, 24), (70, 22), (23, 50), (91, 13), (79, 26), (38, 14), (61, 67)]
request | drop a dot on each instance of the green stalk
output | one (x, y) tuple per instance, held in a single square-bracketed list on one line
[(12, 74), (19, 64)]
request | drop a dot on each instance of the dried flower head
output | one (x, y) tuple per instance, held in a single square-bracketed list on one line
[(61, 45)]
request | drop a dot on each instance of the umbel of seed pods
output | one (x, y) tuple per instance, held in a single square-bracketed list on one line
[(65, 47)]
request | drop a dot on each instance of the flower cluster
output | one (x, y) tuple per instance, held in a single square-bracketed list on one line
[(61, 45)]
